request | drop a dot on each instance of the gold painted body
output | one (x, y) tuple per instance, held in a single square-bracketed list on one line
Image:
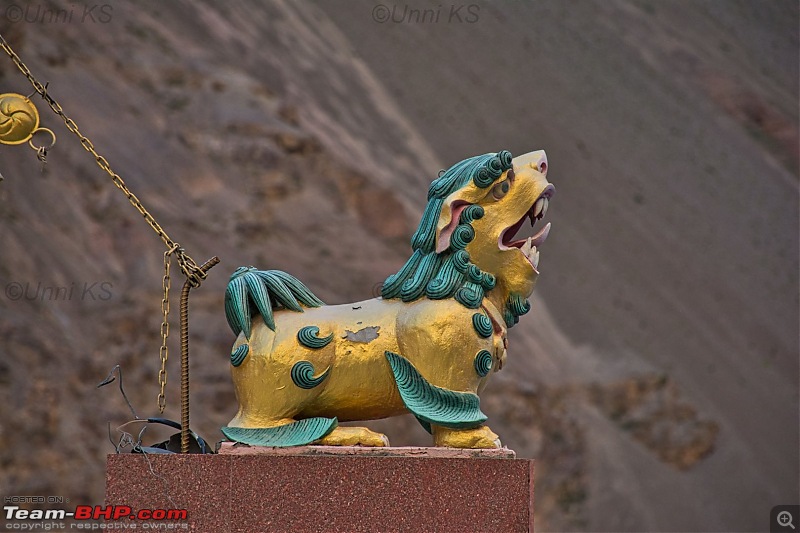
[(436, 336)]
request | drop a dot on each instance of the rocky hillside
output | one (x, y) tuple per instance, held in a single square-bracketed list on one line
[(655, 379)]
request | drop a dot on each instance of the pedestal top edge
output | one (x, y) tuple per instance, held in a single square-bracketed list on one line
[(233, 448)]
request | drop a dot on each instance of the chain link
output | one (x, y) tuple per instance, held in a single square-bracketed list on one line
[(164, 351), (41, 155)]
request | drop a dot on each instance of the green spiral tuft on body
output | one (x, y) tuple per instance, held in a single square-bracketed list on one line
[(510, 318), (461, 237), (303, 375), (474, 274), (518, 305), (488, 281), (493, 169), (484, 178), (515, 306), (309, 337), (238, 355), (470, 214), (482, 325), (461, 261), (415, 287), (505, 158), (470, 295), (483, 363), (446, 281)]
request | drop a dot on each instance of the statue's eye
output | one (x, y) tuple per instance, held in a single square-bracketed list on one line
[(501, 189)]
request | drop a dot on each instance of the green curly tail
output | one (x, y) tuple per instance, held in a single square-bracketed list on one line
[(260, 291)]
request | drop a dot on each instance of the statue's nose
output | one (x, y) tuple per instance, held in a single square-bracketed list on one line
[(536, 160)]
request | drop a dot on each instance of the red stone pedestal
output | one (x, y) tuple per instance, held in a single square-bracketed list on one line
[(314, 488)]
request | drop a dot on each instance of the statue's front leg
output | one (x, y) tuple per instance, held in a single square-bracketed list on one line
[(480, 437)]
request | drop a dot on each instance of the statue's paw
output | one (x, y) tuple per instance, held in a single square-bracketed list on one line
[(354, 436), (480, 437)]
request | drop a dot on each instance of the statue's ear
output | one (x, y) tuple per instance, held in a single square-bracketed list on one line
[(448, 220)]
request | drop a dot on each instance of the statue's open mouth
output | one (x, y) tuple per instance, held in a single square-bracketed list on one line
[(529, 246)]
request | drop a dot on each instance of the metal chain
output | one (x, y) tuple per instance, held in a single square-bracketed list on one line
[(164, 351), (194, 273), (188, 266)]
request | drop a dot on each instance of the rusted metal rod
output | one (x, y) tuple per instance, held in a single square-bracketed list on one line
[(187, 286)]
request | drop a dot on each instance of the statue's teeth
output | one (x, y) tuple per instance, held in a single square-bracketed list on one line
[(526, 247), (538, 207), (545, 206), (530, 251)]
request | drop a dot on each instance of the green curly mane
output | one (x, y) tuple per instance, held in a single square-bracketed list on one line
[(449, 274)]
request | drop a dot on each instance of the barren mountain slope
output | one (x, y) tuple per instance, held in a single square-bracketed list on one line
[(658, 386)]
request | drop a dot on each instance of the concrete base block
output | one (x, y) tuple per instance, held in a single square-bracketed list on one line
[(348, 489)]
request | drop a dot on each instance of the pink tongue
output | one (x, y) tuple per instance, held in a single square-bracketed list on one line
[(540, 237)]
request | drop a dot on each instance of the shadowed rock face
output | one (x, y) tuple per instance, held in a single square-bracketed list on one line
[(655, 379)]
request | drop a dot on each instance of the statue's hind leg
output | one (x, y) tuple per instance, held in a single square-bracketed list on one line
[(354, 436), (271, 395)]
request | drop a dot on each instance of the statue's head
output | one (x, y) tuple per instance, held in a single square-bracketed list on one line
[(465, 245)]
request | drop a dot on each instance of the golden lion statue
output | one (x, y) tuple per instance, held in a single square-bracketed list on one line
[(426, 346)]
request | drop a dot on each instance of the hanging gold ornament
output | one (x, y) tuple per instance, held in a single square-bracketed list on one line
[(19, 122)]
